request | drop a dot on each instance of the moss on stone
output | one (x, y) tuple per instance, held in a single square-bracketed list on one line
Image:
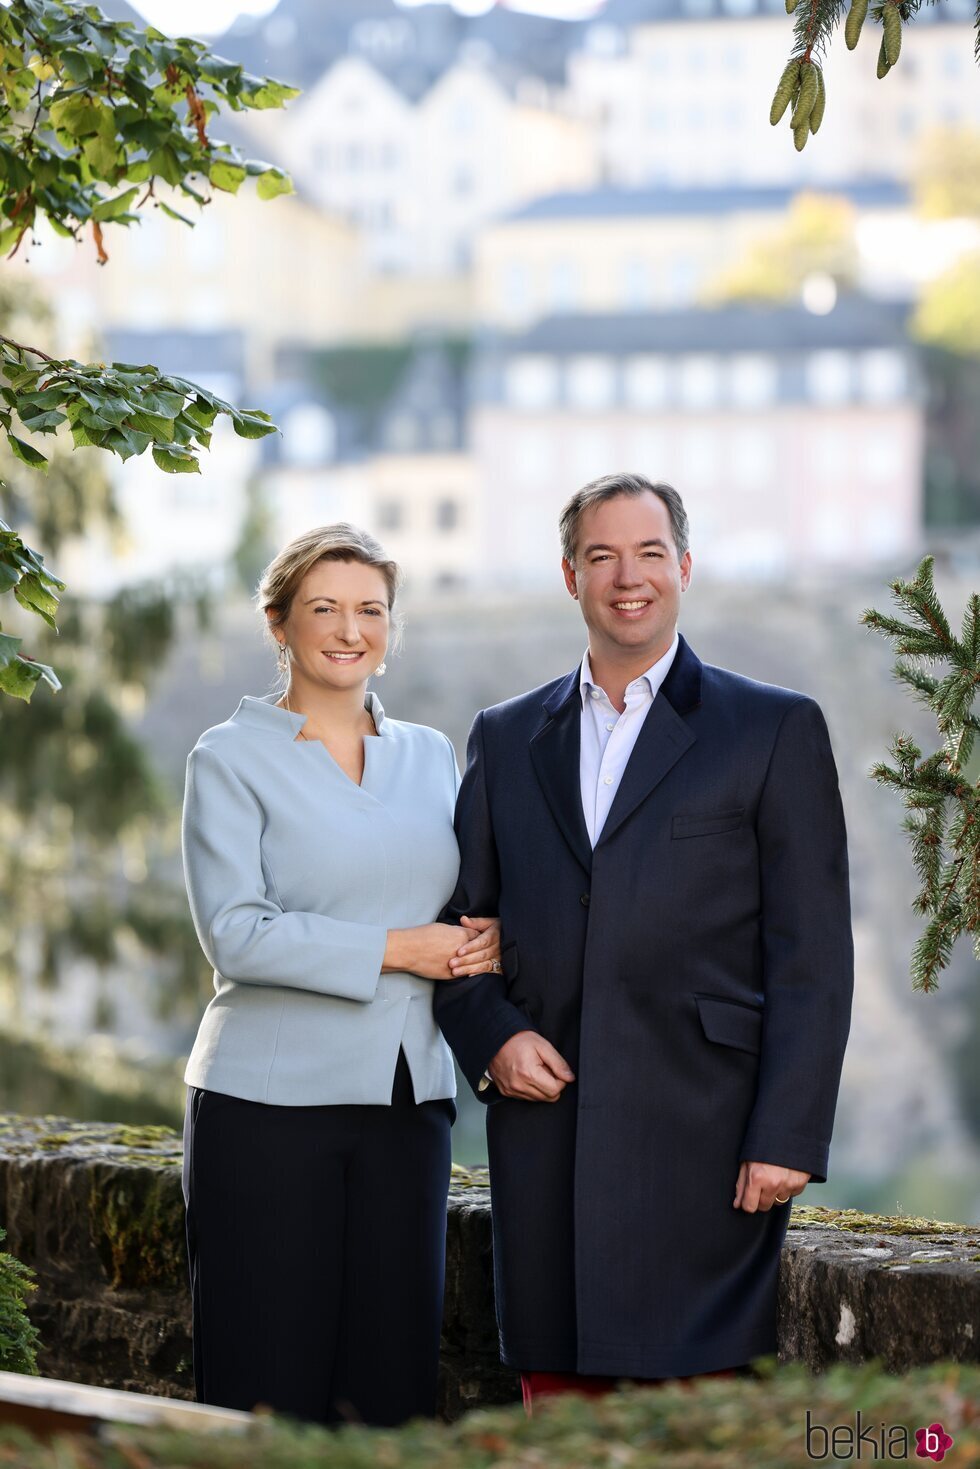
[(857, 1222), (139, 1225)]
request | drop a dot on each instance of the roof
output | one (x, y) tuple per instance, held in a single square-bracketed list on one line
[(855, 322), (729, 199)]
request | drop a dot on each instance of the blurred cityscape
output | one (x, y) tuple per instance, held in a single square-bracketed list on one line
[(523, 252)]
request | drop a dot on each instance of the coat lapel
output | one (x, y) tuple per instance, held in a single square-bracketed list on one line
[(663, 739), (555, 753)]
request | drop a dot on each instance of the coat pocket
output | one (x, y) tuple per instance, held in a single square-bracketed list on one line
[(703, 826), (729, 1023)]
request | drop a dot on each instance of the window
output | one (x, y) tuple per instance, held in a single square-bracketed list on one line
[(753, 380), (828, 377), (636, 285), (447, 515), (700, 460), (881, 375), (308, 435), (390, 515), (402, 432), (645, 382), (698, 378), (442, 430), (515, 288), (752, 458), (531, 382), (563, 286), (882, 458), (591, 382), (590, 454), (462, 181)]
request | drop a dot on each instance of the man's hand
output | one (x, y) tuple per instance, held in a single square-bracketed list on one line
[(529, 1067), (760, 1185)]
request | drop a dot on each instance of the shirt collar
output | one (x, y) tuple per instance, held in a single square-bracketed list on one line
[(263, 712), (654, 675)]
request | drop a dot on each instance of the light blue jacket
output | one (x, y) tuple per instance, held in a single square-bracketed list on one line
[(294, 875)]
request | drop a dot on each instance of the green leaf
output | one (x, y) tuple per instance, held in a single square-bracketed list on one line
[(43, 422), (269, 94), (103, 157), (174, 214), (27, 452), (21, 677), (227, 176), (272, 183), (156, 425), (80, 115), (175, 461), (8, 648), (112, 208), (252, 423), (32, 594)]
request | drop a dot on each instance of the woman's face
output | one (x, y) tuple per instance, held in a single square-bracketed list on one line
[(337, 628)]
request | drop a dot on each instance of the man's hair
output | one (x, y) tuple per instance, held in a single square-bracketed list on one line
[(607, 487)]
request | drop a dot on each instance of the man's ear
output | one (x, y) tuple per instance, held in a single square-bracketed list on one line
[(686, 565), (568, 572)]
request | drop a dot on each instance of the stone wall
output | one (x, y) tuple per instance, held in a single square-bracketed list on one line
[(96, 1210)]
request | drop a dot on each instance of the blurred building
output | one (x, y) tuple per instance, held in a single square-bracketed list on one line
[(402, 471), (273, 269), (419, 175), (795, 439), (633, 250), (682, 96)]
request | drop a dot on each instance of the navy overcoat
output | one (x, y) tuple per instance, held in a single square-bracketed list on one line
[(695, 971)]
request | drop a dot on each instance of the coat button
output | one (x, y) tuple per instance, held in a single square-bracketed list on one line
[(584, 900)]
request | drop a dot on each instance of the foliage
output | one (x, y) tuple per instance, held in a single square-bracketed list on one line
[(944, 805), (817, 236), (948, 311), (92, 113), (801, 89), (946, 175), (95, 1079), (18, 1336), (705, 1425), (92, 110)]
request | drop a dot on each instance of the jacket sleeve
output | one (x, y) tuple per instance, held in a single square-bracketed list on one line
[(807, 948), (475, 1014), (246, 935)]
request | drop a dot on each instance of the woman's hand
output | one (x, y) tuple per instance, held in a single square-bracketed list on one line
[(482, 950), (429, 949)]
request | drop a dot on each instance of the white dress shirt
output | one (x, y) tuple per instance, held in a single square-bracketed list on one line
[(608, 737)]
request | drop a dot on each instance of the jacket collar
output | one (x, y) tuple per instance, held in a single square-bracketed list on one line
[(681, 687), (664, 738), (263, 712)]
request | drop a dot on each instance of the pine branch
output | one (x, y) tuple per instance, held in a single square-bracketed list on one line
[(943, 820)]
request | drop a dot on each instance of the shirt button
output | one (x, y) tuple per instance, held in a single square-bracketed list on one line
[(610, 726), (597, 693), (607, 780)]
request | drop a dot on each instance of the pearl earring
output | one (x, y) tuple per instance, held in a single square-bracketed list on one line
[(381, 667)]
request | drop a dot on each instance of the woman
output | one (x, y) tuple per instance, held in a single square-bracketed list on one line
[(318, 848)]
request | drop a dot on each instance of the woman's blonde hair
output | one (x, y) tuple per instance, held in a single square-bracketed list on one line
[(281, 579)]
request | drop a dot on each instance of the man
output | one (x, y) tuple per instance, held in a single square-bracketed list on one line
[(664, 843)]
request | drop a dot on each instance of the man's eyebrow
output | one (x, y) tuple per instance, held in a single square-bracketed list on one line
[(598, 546)]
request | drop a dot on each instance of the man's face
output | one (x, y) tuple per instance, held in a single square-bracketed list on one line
[(627, 577)]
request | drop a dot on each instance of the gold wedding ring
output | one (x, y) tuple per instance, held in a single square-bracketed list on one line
[(778, 1200)]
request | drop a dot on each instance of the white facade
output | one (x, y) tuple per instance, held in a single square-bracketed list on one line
[(686, 101)]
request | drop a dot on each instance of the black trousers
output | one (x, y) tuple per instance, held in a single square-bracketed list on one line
[(316, 1239)]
